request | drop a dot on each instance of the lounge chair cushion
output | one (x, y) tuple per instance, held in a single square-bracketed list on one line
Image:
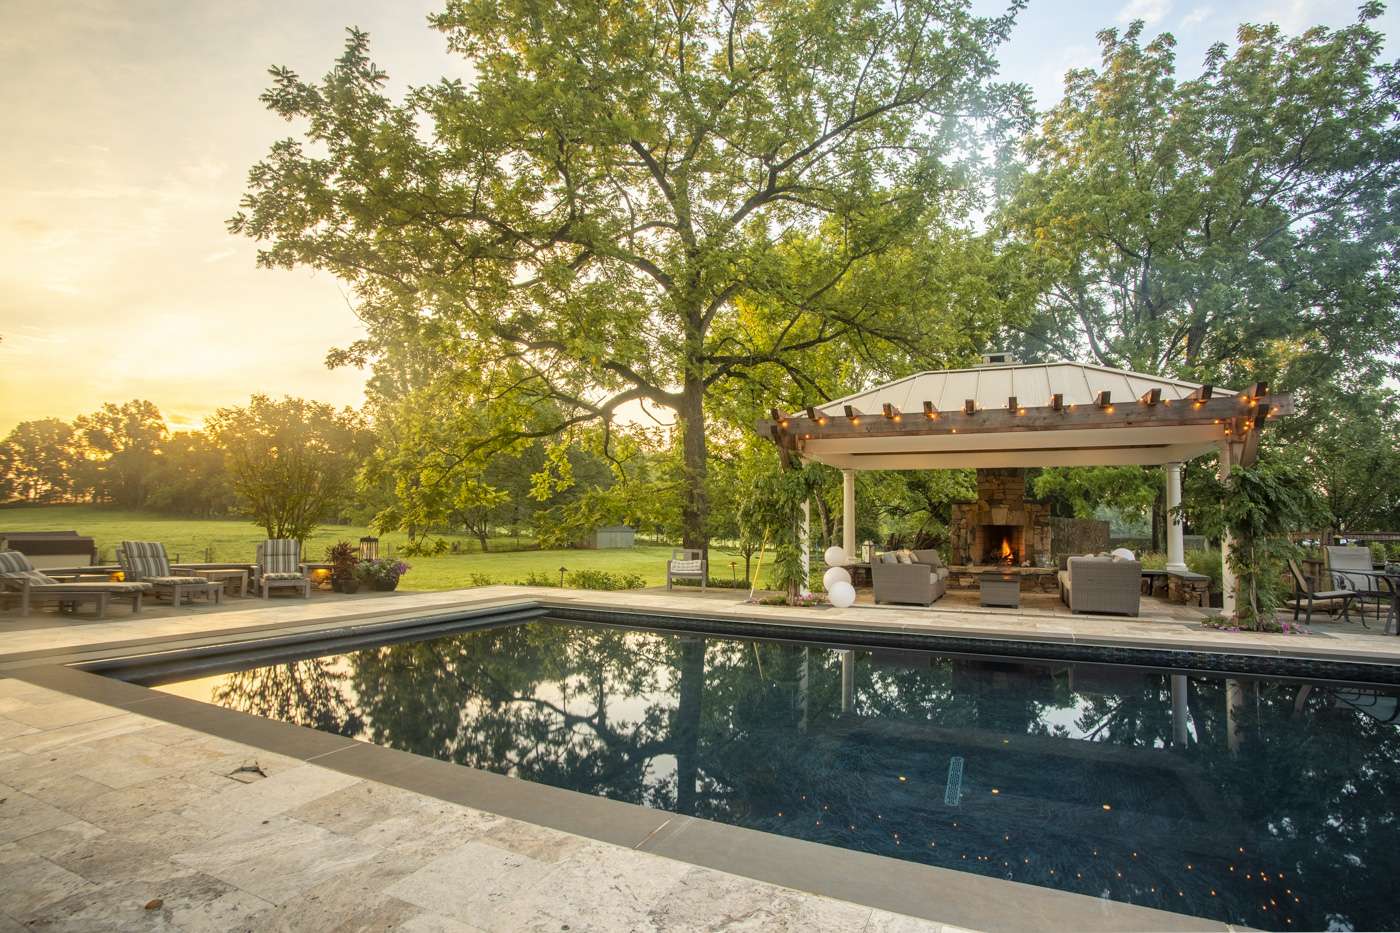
[(173, 580), (281, 555), (145, 560), (12, 562), (33, 576), (284, 576)]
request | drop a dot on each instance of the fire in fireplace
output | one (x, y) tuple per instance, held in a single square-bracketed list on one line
[(1001, 544)]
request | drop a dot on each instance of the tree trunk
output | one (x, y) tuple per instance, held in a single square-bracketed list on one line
[(695, 509), (686, 731)]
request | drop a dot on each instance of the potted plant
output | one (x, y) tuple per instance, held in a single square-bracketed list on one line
[(343, 556), (382, 573)]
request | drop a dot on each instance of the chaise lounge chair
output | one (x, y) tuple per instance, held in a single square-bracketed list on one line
[(146, 562), (19, 578), (279, 567)]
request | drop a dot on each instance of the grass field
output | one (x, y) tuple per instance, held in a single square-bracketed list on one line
[(233, 540)]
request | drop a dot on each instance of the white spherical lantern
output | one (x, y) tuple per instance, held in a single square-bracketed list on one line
[(835, 575), (842, 595), (836, 556), (1123, 553)]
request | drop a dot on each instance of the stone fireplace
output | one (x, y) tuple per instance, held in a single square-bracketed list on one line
[(1002, 526)]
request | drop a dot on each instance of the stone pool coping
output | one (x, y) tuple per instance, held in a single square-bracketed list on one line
[(930, 892)]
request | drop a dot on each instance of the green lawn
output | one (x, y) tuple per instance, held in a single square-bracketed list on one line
[(233, 540)]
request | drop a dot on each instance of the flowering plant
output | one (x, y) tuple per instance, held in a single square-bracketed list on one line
[(381, 570)]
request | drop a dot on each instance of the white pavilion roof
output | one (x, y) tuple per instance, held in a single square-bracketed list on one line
[(1128, 432), (1031, 383)]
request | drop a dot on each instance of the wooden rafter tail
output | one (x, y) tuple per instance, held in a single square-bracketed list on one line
[(853, 413), (780, 419), (930, 411), (1057, 401), (1201, 393), (1254, 427), (970, 407), (1259, 390), (811, 413), (891, 412), (1151, 397), (1103, 399)]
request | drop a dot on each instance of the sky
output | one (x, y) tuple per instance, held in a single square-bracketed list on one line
[(130, 128)]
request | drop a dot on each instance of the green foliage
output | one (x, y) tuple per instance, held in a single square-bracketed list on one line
[(645, 207), (292, 460), (122, 443), (1260, 506), (1080, 491), (1207, 562), (605, 580), (775, 512), (480, 579), (1235, 226), (539, 578), (191, 477), (39, 458)]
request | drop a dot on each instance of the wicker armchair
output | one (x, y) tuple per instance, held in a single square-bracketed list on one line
[(1102, 584)]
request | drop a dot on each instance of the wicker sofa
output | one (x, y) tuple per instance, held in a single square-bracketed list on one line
[(1101, 584), (921, 582)]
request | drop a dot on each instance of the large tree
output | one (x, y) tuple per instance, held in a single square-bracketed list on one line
[(122, 444), (39, 458), (1241, 224), (293, 461), (643, 203)]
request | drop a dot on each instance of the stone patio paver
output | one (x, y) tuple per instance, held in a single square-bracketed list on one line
[(309, 848)]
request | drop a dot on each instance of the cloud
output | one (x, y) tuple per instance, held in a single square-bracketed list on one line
[(1149, 11), (219, 254), (1197, 16)]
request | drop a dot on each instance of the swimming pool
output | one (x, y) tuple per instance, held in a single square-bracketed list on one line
[(1253, 801)]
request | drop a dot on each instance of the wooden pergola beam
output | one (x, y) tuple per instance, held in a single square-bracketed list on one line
[(1220, 411)]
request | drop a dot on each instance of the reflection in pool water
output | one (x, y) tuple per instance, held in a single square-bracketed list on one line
[(1256, 802)]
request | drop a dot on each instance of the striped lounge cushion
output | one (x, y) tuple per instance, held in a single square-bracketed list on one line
[(281, 555), (145, 560), (283, 576), (686, 566), (173, 580), (14, 562)]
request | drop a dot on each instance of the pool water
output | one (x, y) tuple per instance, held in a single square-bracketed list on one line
[(1266, 803)]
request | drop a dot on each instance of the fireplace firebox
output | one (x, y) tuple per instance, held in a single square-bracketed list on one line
[(1002, 526)]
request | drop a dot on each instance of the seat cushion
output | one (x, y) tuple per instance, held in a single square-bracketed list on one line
[(283, 575), (14, 562), (281, 555), (686, 566), (145, 560), (174, 581), (35, 577)]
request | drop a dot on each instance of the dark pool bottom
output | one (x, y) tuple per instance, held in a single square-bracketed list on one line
[(1261, 802)]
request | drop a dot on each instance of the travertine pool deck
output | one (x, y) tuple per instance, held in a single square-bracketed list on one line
[(115, 797)]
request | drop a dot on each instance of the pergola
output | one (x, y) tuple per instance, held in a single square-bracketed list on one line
[(1009, 414)]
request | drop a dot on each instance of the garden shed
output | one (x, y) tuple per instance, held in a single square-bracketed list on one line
[(610, 536)]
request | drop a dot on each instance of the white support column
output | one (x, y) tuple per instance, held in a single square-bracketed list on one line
[(806, 537), (1176, 530), (848, 514), (1227, 576)]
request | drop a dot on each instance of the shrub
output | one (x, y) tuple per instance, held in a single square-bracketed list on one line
[(1206, 561), (605, 580), (480, 579), (538, 578), (422, 547), (1153, 560), (722, 583), (1377, 552)]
